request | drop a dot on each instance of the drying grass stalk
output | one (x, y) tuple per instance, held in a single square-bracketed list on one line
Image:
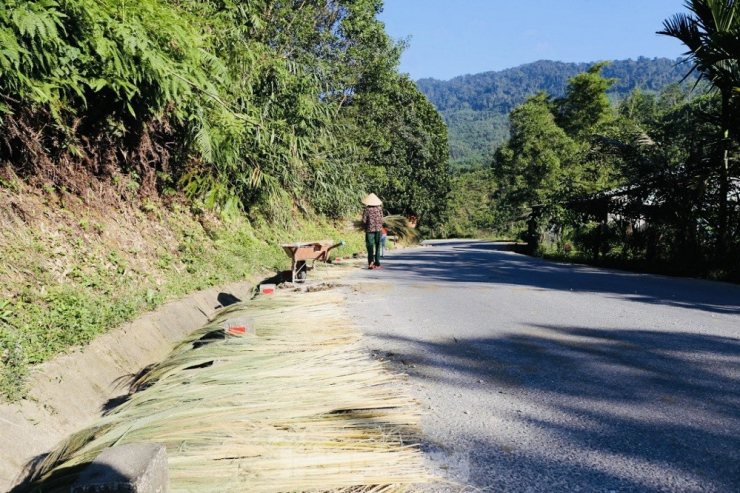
[(400, 227), (297, 407), (396, 225)]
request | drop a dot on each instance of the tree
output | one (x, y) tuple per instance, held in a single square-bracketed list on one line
[(472, 205), (533, 165), (711, 33), (406, 155), (585, 104), (555, 156), (240, 104), (476, 107)]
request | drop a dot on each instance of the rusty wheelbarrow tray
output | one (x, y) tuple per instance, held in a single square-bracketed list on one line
[(302, 253)]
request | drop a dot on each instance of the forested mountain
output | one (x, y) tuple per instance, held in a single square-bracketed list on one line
[(476, 107)]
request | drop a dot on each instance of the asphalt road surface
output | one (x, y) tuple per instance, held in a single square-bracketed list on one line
[(545, 377)]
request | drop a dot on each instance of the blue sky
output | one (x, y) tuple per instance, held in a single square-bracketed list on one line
[(457, 37)]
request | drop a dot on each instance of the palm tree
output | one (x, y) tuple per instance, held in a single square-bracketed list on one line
[(712, 34)]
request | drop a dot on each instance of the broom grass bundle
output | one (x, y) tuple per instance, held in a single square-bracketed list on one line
[(298, 406), (397, 226)]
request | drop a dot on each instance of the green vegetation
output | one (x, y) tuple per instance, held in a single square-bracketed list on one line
[(710, 33), (649, 183), (244, 106), (263, 117), (472, 212), (66, 282), (476, 107), (407, 141)]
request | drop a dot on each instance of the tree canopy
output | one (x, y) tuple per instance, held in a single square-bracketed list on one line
[(250, 106), (639, 181), (711, 34)]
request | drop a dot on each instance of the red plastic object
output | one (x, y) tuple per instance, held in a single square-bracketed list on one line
[(267, 288), (237, 330)]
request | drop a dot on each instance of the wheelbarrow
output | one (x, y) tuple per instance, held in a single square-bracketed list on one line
[(301, 253)]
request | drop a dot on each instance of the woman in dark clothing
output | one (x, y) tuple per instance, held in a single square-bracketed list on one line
[(372, 218)]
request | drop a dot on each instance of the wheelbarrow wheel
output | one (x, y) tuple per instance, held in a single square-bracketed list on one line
[(301, 275)]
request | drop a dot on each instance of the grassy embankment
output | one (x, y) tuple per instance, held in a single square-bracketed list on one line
[(73, 270)]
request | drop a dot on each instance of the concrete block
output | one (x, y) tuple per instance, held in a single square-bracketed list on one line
[(239, 325), (267, 288), (130, 468)]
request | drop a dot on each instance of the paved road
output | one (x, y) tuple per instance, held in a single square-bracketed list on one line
[(545, 377)]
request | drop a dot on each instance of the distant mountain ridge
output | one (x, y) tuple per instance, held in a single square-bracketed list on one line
[(476, 107)]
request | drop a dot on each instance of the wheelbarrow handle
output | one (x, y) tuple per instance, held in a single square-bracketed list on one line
[(335, 246)]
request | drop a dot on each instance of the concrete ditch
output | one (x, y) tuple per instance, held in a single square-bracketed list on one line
[(69, 392)]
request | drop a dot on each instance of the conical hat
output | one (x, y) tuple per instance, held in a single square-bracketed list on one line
[(372, 199)]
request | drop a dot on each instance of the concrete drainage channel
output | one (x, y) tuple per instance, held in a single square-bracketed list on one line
[(131, 468), (73, 390)]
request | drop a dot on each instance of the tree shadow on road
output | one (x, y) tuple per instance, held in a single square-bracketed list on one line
[(493, 264), (656, 411)]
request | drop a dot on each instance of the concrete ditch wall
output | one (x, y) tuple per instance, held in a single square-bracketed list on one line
[(71, 391)]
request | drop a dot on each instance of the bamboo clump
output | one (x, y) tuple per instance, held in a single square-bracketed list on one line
[(299, 406)]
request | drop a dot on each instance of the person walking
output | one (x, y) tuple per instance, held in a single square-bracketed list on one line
[(383, 238), (372, 218)]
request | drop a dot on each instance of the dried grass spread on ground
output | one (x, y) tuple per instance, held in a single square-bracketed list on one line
[(297, 406)]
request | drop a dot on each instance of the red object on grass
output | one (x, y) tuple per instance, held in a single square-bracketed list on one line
[(237, 330)]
